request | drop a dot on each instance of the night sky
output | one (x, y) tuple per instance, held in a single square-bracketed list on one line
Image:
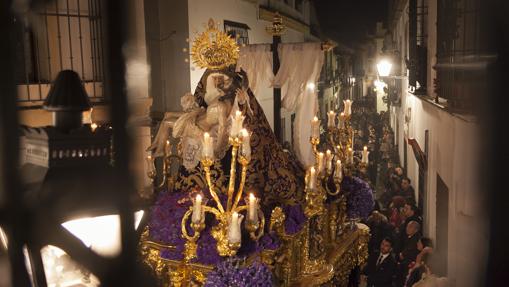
[(348, 21)]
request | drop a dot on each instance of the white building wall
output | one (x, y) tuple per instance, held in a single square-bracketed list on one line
[(453, 154)]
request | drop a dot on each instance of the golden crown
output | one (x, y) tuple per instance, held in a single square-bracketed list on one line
[(214, 49)]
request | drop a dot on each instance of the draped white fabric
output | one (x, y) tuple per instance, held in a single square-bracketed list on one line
[(301, 64), (256, 60)]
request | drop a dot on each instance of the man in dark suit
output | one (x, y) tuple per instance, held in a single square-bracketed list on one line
[(407, 191), (409, 251), (381, 267)]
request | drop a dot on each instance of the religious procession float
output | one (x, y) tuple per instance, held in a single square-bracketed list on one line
[(233, 208)]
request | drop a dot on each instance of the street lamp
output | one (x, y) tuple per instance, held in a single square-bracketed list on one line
[(384, 68)]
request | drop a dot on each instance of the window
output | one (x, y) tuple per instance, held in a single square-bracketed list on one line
[(299, 5), (237, 31), (417, 64), (460, 45), (63, 34)]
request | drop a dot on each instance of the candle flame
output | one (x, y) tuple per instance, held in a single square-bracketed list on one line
[(93, 126), (198, 197), (206, 135), (365, 148), (238, 113), (315, 119), (251, 197)]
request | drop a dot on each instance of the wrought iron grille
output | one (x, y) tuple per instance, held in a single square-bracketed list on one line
[(459, 50), (59, 35)]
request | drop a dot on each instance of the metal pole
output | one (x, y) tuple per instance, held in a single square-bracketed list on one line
[(276, 40)]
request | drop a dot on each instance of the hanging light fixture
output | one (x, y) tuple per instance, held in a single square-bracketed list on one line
[(384, 68)]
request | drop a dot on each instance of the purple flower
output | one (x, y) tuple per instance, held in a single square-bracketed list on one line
[(231, 272), (359, 197)]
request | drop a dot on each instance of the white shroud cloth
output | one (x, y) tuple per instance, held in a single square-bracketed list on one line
[(256, 61), (301, 64)]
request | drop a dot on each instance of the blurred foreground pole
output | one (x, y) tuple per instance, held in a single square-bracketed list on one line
[(13, 215), (115, 39)]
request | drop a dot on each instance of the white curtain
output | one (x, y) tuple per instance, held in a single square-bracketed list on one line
[(256, 60), (301, 64)]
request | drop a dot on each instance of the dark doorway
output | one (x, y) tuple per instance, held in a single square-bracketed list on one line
[(442, 228)]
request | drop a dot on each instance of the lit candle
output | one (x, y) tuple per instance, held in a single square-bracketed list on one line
[(341, 120), (252, 212), (331, 119), (196, 217), (338, 173), (234, 228), (348, 107), (93, 127), (350, 155), (320, 162), (150, 164), (315, 128), (208, 150), (236, 124), (365, 154), (245, 149), (312, 178), (328, 159), (167, 148)]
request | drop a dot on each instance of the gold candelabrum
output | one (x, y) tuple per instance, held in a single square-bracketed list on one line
[(169, 157), (227, 231), (324, 179)]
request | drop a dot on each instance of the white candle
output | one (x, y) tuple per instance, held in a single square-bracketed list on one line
[(196, 217), (315, 128), (312, 178), (350, 155), (320, 162), (348, 107), (150, 164), (245, 149), (338, 173), (328, 159), (234, 228), (341, 120), (252, 212), (331, 119), (208, 149), (236, 124), (365, 154), (167, 148)]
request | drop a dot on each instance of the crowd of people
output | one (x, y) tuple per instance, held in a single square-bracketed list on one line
[(399, 254)]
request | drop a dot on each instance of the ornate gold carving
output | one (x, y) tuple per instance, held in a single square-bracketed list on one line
[(223, 216), (277, 28), (214, 49)]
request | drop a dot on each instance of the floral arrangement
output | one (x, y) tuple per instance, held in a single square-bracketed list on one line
[(231, 272), (165, 227), (359, 197)]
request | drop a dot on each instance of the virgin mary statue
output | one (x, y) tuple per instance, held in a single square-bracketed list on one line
[(274, 174)]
